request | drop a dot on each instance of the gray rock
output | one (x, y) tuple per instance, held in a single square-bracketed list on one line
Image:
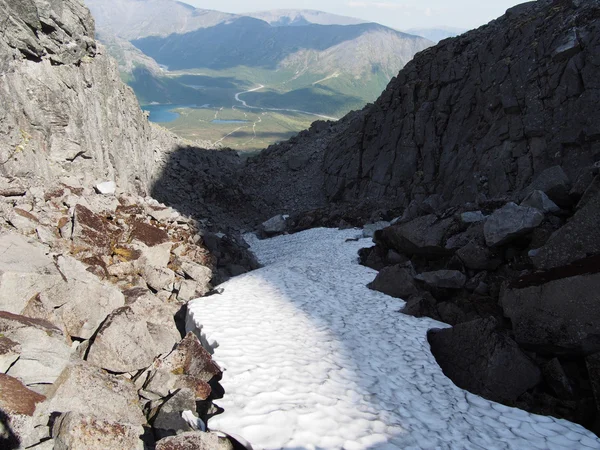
[(123, 343), (578, 238), (540, 201), (25, 270), (73, 431), (592, 363), (188, 365), (82, 388), (194, 441), (478, 257), (423, 236), (106, 188), (93, 128), (190, 290), (274, 225), (83, 302), (9, 353), (23, 221), (370, 229), (557, 379), (591, 192), (510, 222), (482, 360), (156, 256), (459, 240), (166, 418), (448, 279), (423, 305), (42, 358), (395, 281), (560, 315), (471, 217), (159, 278), (201, 274), (555, 183)]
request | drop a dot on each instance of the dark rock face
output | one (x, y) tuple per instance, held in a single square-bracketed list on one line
[(579, 238), (481, 115), (424, 235), (395, 281), (561, 315), (482, 360)]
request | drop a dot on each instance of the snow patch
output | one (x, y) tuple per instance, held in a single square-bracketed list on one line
[(314, 359)]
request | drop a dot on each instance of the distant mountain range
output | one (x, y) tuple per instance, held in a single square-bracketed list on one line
[(171, 52)]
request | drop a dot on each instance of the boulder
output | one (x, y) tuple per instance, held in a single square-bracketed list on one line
[(555, 183), (556, 311), (157, 255), (592, 363), (194, 441), (123, 343), (82, 387), (479, 358), (9, 353), (25, 270), (91, 231), (459, 240), (42, 357), (133, 336), (478, 257), (190, 290), (166, 417), (578, 238), (159, 278), (422, 236), (395, 281), (201, 274), (23, 221), (510, 222), (77, 431), (106, 188), (471, 217), (370, 228), (592, 191), (423, 305), (540, 201), (15, 398), (555, 376), (188, 365), (445, 279), (148, 234), (274, 225), (83, 302)]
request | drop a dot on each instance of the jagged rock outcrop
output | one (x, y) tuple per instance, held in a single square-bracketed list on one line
[(481, 115), (63, 109)]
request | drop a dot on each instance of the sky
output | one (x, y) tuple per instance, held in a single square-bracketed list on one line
[(399, 14)]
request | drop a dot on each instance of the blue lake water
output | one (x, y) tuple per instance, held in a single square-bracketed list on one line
[(228, 121), (164, 113)]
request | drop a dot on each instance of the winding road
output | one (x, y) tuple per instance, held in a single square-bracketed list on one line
[(246, 105)]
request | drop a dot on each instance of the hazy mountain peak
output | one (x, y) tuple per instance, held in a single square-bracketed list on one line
[(295, 17)]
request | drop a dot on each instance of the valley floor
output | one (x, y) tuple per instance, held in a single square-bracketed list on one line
[(314, 359)]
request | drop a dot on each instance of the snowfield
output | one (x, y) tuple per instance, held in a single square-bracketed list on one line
[(314, 359)]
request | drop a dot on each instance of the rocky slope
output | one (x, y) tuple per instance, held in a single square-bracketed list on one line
[(94, 274), (64, 110), (474, 118)]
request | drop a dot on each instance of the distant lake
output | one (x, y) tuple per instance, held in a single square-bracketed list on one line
[(228, 121), (164, 113)]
